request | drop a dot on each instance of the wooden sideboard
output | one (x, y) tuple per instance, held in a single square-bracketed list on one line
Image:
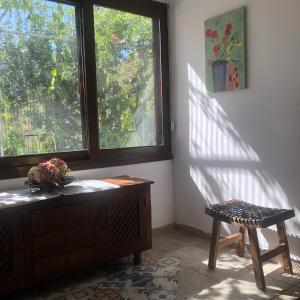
[(44, 236)]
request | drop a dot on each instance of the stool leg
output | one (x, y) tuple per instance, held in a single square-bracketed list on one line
[(256, 259), (213, 252), (240, 248), (285, 257)]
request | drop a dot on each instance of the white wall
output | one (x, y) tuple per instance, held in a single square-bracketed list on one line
[(161, 191), (246, 143)]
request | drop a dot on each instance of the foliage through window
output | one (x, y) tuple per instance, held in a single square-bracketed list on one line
[(40, 110), (125, 79), (86, 80)]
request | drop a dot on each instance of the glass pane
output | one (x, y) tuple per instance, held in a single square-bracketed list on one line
[(128, 79), (40, 110)]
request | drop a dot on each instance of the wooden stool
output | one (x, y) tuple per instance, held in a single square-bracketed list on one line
[(246, 215)]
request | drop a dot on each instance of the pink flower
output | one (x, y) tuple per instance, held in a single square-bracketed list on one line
[(227, 32), (209, 62), (208, 33), (57, 162), (214, 34), (216, 49), (229, 27), (49, 172)]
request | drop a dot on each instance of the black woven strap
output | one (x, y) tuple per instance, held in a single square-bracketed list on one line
[(236, 211)]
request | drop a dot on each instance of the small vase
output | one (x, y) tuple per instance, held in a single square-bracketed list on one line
[(47, 188), (219, 71)]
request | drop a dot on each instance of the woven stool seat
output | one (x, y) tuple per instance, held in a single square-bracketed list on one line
[(236, 211)]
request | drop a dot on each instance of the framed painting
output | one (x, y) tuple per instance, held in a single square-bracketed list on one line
[(225, 51)]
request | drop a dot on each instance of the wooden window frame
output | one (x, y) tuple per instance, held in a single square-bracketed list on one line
[(94, 157)]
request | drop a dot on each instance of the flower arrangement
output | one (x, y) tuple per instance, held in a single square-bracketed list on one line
[(223, 45), (50, 173)]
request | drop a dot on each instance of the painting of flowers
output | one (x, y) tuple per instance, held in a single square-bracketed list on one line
[(225, 51)]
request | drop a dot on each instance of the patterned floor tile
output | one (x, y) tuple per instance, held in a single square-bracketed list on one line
[(154, 279)]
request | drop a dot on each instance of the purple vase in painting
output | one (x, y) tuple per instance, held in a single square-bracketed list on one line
[(219, 68)]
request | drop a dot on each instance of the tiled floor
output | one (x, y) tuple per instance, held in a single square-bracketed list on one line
[(233, 278)]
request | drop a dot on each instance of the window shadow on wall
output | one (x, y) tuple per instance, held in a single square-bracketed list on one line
[(223, 165)]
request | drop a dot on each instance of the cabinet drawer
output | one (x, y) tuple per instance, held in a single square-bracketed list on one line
[(63, 217), (64, 263), (63, 241)]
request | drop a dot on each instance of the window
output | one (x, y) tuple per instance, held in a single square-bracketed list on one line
[(125, 45), (40, 108), (83, 80)]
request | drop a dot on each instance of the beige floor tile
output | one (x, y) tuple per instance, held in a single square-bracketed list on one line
[(228, 263), (234, 289), (276, 271), (220, 275), (152, 252), (272, 283), (191, 256), (177, 238), (191, 283), (289, 294), (188, 238), (165, 245), (162, 232), (279, 274), (227, 258)]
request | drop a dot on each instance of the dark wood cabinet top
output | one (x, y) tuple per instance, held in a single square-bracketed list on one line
[(25, 196), (126, 181)]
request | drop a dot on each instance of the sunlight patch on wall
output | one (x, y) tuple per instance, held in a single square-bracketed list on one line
[(217, 139), (223, 166)]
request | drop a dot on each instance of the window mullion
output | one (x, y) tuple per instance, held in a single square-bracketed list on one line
[(90, 85), (81, 76), (158, 81), (164, 40)]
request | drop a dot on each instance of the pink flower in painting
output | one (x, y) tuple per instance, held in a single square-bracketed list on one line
[(216, 49), (222, 42), (209, 62), (229, 27), (233, 77), (214, 34), (208, 33), (227, 32)]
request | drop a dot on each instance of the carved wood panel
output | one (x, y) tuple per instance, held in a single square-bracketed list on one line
[(6, 250), (124, 221)]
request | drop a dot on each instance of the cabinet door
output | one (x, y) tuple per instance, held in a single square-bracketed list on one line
[(63, 238), (128, 217), (11, 262)]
